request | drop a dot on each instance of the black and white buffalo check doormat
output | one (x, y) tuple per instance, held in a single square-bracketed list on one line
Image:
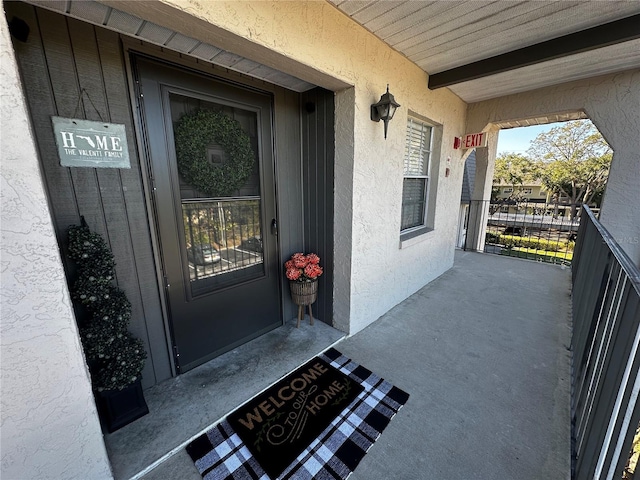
[(289, 416)]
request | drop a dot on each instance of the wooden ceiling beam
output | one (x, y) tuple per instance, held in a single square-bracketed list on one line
[(604, 35)]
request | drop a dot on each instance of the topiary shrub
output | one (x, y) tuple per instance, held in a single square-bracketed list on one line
[(115, 357)]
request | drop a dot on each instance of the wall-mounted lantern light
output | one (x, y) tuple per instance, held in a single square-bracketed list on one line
[(384, 109)]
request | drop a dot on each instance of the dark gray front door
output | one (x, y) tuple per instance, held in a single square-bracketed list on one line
[(219, 249)]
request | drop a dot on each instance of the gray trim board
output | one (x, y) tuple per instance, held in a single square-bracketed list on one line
[(288, 185), (318, 113)]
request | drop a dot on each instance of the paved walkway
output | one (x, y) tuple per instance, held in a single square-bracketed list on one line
[(483, 351)]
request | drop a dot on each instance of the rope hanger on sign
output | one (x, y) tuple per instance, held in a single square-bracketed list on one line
[(84, 92)]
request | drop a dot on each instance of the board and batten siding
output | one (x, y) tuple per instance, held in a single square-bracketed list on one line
[(62, 58), (318, 113), (288, 185)]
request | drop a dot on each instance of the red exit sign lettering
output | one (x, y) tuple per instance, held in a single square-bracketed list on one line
[(474, 140)]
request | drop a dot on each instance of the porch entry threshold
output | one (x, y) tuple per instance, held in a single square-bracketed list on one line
[(183, 408)]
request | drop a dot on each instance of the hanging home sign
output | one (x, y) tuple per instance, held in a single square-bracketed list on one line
[(83, 143)]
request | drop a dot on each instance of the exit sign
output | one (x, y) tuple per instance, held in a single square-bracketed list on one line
[(472, 140)]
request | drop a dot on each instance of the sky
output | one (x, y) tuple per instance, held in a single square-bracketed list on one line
[(516, 140)]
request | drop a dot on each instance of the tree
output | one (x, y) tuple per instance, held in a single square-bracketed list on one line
[(582, 182), (574, 161), (513, 170)]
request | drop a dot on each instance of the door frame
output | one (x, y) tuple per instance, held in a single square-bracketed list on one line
[(131, 52)]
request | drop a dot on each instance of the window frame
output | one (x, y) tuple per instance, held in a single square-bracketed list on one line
[(416, 230)]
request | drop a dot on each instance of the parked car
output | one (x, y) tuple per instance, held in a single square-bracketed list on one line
[(253, 244), (203, 254)]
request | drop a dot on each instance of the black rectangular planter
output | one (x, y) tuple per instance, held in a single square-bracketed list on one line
[(118, 408)]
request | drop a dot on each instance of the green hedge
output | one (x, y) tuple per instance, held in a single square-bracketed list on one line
[(512, 241), (532, 254)]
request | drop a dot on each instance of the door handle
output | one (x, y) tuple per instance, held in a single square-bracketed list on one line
[(274, 227)]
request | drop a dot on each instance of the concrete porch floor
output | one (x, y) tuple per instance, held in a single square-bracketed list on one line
[(483, 352), (183, 407)]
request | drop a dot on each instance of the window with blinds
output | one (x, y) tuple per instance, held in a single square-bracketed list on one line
[(417, 167)]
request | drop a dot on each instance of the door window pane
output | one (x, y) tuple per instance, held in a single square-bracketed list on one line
[(223, 240), (222, 236)]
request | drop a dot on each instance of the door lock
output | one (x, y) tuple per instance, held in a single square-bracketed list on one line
[(274, 227)]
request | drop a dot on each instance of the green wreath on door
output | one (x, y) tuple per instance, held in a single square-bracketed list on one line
[(194, 132)]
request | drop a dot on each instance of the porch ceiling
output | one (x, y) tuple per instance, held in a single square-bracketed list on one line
[(119, 21), (438, 36), (442, 35)]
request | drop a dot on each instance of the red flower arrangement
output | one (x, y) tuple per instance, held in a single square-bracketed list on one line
[(303, 268)]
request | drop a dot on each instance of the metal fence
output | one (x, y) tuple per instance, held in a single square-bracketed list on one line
[(537, 231), (606, 360), (222, 236)]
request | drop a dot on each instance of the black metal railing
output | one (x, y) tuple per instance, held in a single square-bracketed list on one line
[(222, 236), (606, 356), (536, 231)]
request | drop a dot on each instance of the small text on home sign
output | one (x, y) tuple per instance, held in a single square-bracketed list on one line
[(85, 143)]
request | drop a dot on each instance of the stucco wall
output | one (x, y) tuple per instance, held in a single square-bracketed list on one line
[(612, 103), (50, 428), (317, 43)]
